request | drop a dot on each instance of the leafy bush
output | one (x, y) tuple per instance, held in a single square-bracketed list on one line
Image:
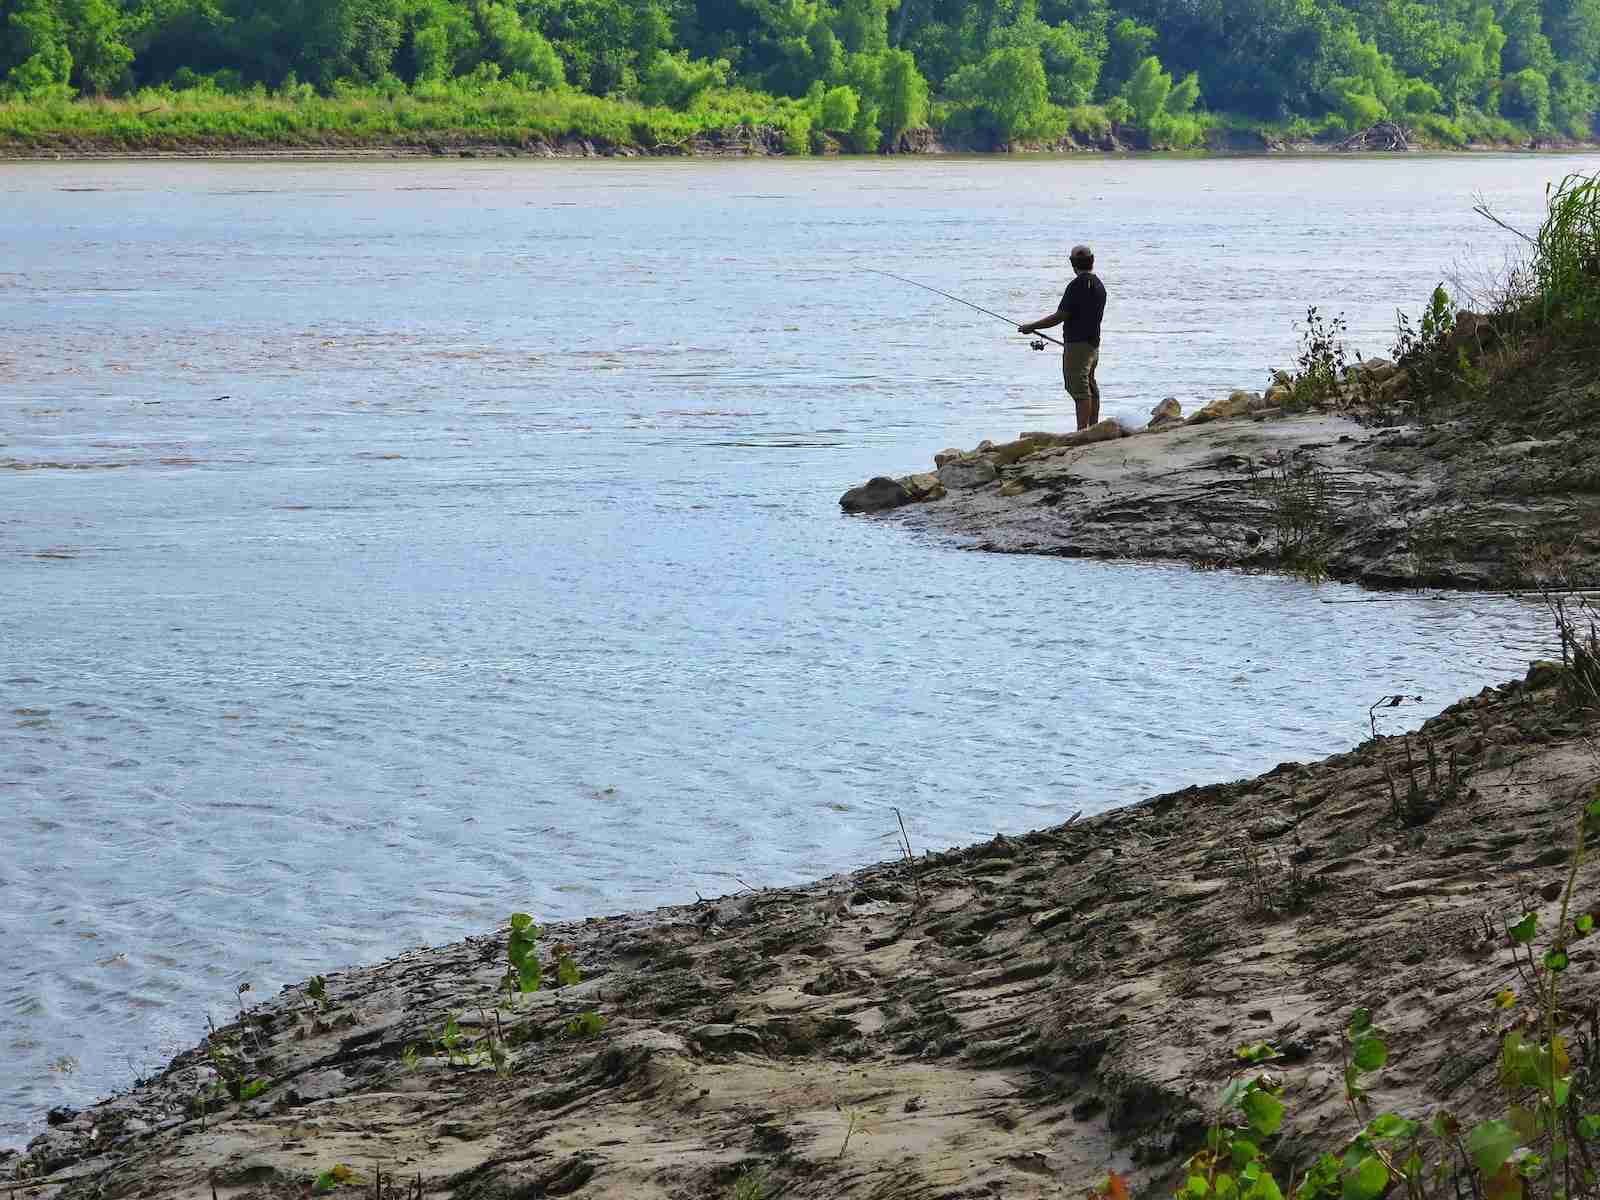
[(838, 109), (674, 80), (1525, 96), (1423, 349)]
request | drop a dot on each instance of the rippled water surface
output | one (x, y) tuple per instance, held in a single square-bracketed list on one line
[(386, 547)]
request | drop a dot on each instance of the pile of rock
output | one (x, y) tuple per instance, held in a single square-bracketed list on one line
[(960, 470), (955, 470)]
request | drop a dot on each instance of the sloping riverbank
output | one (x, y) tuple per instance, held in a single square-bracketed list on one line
[(1010, 1019)]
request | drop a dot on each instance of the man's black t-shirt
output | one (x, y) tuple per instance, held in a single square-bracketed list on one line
[(1084, 303)]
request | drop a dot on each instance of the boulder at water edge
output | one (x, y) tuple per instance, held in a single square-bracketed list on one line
[(1102, 431), (1237, 405), (877, 493), (1166, 415), (923, 487), (949, 454), (970, 472)]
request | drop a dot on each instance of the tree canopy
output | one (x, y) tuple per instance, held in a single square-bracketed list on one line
[(862, 70)]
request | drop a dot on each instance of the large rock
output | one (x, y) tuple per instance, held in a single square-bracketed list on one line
[(1278, 395), (1104, 431), (1394, 387), (1166, 415), (923, 487), (950, 454), (1374, 370), (969, 472), (1239, 404), (1029, 443), (877, 493)]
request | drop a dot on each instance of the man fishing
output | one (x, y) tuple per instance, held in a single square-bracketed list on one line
[(1082, 306)]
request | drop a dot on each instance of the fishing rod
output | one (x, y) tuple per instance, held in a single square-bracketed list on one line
[(1037, 345)]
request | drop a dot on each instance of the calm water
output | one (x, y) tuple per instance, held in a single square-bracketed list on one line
[(403, 544)]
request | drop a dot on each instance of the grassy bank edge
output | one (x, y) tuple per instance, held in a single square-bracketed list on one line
[(506, 121)]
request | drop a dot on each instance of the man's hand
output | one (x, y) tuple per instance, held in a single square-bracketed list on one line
[(1026, 329)]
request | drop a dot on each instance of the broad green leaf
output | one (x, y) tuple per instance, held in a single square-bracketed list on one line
[(521, 921), (1235, 1091), (1369, 1053), (1391, 1125), (1225, 1188), (566, 971), (1522, 932), (1265, 1188), (1264, 1111), (1585, 924), (1196, 1186), (1555, 960), (1258, 1052), (1245, 1152), (1368, 1181), (1589, 1126), (1490, 1144), (1360, 1021)]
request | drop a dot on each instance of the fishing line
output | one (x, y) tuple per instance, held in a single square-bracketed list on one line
[(1037, 345)]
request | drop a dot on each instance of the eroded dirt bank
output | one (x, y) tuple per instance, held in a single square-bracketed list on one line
[(1008, 1019)]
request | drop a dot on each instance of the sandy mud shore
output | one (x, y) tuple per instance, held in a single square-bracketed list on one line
[(1009, 1019), (1478, 497)]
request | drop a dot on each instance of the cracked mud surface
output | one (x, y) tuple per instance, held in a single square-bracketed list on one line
[(1008, 1019)]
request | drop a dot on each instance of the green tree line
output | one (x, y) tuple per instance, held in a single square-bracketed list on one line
[(864, 71)]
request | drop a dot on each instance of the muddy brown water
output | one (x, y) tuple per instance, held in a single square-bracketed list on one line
[(386, 547)]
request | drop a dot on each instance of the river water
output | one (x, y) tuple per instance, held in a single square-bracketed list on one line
[(386, 547)]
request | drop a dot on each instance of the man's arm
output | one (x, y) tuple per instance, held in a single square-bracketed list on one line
[(1049, 322)]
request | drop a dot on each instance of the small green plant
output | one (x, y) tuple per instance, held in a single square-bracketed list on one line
[(523, 970), (585, 1025), (317, 992), (410, 1057), (567, 972), (751, 1185), (332, 1179), (1322, 363), (1422, 349), (232, 1080), (1299, 500), (450, 1037), (1424, 796), (852, 1122), (499, 1056)]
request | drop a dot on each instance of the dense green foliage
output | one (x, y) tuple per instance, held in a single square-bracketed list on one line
[(861, 71)]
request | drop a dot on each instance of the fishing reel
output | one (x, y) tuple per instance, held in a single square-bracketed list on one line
[(1037, 343)]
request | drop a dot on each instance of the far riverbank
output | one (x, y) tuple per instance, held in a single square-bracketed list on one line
[(545, 125)]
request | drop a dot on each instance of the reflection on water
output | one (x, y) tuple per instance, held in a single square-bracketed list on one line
[(387, 547)]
